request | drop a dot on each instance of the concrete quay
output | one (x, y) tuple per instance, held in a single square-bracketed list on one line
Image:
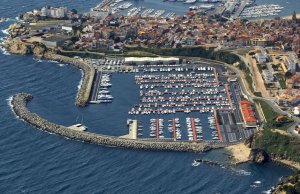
[(19, 103)]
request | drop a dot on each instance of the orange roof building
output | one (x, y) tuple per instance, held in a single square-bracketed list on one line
[(248, 113)]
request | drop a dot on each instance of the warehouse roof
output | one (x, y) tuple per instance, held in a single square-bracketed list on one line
[(153, 59)]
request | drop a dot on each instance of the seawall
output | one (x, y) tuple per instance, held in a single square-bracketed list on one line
[(19, 103), (17, 46), (87, 80)]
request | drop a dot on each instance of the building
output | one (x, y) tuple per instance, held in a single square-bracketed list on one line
[(261, 58), (290, 97), (151, 60), (292, 62), (54, 41), (54, 12), (268, 76), (296, 111), (248, 113)]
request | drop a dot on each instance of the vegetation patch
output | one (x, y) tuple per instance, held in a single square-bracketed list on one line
[(281, 80), (258, 94), (279, 145), (273, 119)]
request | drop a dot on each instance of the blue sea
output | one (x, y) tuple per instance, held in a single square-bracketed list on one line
[(32, 161)]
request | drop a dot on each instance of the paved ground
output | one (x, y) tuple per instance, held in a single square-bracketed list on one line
[(257, 77)]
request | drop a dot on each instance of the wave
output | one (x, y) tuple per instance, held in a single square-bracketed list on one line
[(62, 64), (268, 191), (195, 163), (52, 61), (5, 31), (11, 107), (241, 172), (80, 83), (38, 60), (4, 51)]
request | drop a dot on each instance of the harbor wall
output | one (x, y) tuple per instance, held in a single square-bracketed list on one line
[(40, 51), (19, 103), (87, 80)]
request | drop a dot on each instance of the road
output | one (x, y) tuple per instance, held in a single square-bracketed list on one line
[(251, 97)]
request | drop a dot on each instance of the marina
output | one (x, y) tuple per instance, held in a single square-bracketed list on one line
[(261, 11), (100, 89), (181, 102)]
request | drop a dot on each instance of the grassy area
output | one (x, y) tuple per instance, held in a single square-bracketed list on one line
[(258, 94), (243, 51), (208, 53), (278, 144), (261, 67), (250, 82), (269, 113), (271, 116), (139, 54), (281, 80)]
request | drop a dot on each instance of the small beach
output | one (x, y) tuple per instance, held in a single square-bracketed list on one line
[(239, 152)]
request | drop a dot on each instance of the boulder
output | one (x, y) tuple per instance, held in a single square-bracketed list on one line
[(259, 156)]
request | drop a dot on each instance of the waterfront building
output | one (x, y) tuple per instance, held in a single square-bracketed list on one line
[(151, 60), (54, 12), (248, 113)]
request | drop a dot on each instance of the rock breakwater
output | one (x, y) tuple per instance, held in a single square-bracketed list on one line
[(88, 76), (19, 103), (16, 46)]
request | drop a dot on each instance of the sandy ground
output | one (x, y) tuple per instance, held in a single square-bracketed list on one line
[(260, 86), (292, 164), (240, 152), (282, 132), (290, 16)]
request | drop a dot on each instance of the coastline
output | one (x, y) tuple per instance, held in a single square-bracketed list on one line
[(82, 98), (239, 153), (289, 17)]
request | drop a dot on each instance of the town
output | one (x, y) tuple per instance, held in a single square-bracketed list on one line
[(224, 78)]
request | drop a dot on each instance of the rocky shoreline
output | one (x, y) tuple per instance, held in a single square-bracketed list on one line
[(18, 47), (19, 103)]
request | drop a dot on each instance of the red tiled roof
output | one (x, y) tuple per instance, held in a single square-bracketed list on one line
[(247, 111)]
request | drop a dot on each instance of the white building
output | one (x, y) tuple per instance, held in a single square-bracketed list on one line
[(292, 62), (268, 76), (151, 60), (296, 111), (261, 58), (54, 12)]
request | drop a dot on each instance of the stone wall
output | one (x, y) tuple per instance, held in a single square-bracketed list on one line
[(19, 103)]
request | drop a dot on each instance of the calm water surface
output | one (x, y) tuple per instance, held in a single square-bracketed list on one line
[(33, 161)]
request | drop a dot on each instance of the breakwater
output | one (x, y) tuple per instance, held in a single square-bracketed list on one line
[(19, 103), (40, 51), (88, 76)]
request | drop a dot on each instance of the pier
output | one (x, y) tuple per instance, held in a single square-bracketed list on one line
[(193, 128), (95, 88), (174, 129), (218, 126), (133, 129), (157, 129), (240, 9)]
